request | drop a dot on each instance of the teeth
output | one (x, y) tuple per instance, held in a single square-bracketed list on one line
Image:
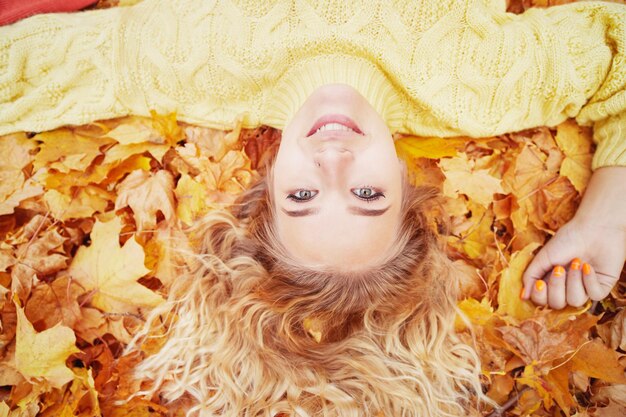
[(334, 126)]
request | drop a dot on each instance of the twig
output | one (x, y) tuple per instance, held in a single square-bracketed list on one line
[(509, 404)]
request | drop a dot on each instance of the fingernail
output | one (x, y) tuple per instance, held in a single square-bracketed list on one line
[(558, 271), (575, 265), (539, 285), (521, 294), (586, 269)]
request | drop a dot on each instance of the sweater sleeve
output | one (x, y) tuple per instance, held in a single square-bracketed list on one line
[(597, 52), (58, 69), (606, 108)]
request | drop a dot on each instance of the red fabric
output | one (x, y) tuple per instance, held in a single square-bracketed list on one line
[(14, 10)]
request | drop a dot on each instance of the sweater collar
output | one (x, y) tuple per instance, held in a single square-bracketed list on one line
[(300, 80)]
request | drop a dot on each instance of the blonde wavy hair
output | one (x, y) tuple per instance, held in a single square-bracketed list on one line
[(238, 343)]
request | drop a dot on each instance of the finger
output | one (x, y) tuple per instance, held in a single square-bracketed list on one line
[(539, 293), (556, 288), (555, 252), (590, 280), (576, 294)]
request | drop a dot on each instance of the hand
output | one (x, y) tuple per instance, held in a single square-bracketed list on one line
[(584, 259)]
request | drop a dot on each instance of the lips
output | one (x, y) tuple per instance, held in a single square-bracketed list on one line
[(335, 118)]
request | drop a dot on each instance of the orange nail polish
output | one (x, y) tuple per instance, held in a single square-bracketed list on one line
[(521, 293), (586, 269), (558, 271), (575, 265), (539, 285)]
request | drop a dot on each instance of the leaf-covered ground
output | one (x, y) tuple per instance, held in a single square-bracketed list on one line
[(88, 214)]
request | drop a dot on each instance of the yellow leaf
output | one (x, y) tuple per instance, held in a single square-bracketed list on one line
[(192, 199), (64, 150), (463, 177), (111, 272), (478, 312), (134, 131), (43, 355), (119, 153), (509, 302), (28, 190), (85, 202), (147, 194), (433, 148), (575, 142)]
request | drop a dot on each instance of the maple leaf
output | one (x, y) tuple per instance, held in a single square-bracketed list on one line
[(409, 147), (597, 360), (34, 258), (147, 194), (83, 202), (462, 176), (509, 302), (112, 272), (55, 302), (576, 143), (29, 189), (192, 198), (43, 355), (64, 150)]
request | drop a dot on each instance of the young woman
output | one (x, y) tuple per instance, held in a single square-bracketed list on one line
[(325, 291)]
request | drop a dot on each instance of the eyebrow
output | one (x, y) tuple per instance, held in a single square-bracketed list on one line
[(359, 211)]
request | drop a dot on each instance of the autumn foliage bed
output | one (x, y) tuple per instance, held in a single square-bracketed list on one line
[(90, 216)]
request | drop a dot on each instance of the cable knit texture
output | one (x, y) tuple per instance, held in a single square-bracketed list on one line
[(431, 68)]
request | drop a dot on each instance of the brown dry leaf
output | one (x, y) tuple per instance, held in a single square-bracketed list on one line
[(37, 258), (463, 176), (618, 331), (576, 143), (261, 145), (597, 360), (147, 194), (43, 355), (501, 387), (111, 272), (474, 235), (53, 303), (549, 339), (561, 199)]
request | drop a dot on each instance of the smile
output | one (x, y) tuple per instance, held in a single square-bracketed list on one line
[(334, 123)]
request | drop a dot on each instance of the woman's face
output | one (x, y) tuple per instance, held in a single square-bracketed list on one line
[(337, 182)]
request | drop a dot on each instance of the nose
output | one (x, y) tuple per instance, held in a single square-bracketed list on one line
[(333, 161)]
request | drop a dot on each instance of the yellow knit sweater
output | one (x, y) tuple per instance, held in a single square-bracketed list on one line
[(430, 67)]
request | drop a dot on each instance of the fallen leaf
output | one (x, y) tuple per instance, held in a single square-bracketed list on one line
[(147, 194), (409, 147), (111, 272), (84, 202), (64, 150), (43, 355), (193, 199), (509, 301), (597, 360), (576, 143), (463, 177)]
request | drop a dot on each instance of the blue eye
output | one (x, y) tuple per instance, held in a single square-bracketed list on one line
[(302, 195), (367, 193)]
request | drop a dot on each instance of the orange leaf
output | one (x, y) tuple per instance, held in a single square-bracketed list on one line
[(596, 360)]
